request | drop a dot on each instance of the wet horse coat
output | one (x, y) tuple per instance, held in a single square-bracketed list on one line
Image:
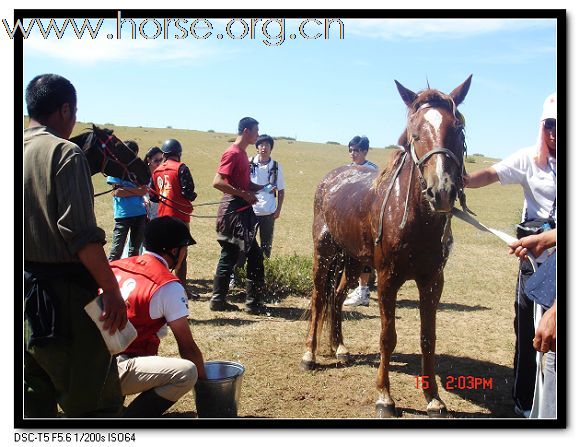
[(414, 195)]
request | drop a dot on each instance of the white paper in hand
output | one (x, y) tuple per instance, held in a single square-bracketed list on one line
[(120, 340)]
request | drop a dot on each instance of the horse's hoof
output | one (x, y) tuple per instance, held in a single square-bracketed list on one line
[(386, 411), (307, 365), (343, 359), (440, 413)]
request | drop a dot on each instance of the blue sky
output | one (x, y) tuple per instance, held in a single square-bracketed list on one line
[(315, 90)]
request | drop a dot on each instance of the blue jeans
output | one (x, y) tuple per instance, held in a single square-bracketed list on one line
[(136, 225)]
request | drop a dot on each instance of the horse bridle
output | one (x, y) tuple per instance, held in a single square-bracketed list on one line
[(418, 162), (108, 155), (438, 150)]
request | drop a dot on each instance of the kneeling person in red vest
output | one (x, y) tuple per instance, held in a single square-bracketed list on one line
[(154, 297)]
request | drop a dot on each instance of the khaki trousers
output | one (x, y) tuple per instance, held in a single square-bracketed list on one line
[(170, 377)]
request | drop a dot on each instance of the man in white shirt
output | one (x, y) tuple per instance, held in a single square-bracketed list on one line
[(155, 297), (535, 169), (267, 172)]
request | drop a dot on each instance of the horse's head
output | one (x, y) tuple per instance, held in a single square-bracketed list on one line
[(435, 137), (109, 155)]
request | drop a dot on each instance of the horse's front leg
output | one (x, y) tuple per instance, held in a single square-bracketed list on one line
[(387, 292), (430, 290)]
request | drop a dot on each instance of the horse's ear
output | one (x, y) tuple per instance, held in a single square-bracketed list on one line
[(407, 95), (460, 92)]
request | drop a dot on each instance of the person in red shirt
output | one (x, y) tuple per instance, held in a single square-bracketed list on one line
[(154, 297), (174, 190), (236, 223)]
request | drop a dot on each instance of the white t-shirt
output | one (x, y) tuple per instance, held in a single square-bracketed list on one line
[(169, 301), (261, 174), (367, 163), (539, 184)]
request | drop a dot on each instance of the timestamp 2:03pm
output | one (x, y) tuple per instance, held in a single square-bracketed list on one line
[(458, 383)]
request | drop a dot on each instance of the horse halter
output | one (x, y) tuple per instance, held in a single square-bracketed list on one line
[(438, 150), (109, 155), (418, 162)]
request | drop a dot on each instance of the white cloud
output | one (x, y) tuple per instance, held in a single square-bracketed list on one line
[(394, 29), (102, 48)]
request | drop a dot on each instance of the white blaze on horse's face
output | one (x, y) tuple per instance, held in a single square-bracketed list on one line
[(434, 117)]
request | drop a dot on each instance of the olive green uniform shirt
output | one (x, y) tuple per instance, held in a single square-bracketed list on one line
[(59, 217)]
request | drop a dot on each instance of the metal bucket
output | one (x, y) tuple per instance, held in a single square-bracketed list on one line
[(219, 395)]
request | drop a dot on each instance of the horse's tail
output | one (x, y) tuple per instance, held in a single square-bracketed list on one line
[(330, 313)]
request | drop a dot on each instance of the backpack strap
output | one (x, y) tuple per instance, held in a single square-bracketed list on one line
[(273, 174)]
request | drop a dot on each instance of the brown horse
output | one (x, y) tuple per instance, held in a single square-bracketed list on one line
[(397, 221)]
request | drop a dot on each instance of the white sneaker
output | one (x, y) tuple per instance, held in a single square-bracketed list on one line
[(359, 297)]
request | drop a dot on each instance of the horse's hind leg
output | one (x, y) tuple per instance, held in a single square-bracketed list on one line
[(430, 292), (351, 272)]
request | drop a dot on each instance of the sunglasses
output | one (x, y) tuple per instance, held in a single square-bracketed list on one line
[(550, 123)]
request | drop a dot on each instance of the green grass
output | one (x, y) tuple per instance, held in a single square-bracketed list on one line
[(285, 276)]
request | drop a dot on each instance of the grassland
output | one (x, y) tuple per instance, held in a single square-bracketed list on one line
[(474, 321)]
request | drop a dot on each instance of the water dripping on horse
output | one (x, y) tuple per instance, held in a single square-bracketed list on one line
[(397, 221)]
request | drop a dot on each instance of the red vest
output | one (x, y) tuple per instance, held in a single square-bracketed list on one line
[(139, 277), (166, 181)]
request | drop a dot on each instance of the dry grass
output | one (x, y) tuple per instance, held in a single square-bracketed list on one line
[(474, 322)]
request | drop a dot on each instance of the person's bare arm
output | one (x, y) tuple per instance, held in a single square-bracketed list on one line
[(481, 178), (545, 339), (125, 191), (188, 349), (114, 311), (221, 184), (536, 244)]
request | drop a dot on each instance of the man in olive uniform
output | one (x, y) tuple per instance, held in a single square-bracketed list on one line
[(66, 360)]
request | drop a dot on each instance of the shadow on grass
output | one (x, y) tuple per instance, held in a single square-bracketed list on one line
[(454, 307), (484, 383), (199, 286), (221, 322)]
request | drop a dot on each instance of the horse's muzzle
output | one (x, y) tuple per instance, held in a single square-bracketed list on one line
[(442, 199)]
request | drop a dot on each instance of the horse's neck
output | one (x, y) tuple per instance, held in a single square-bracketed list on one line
[(418, 213)]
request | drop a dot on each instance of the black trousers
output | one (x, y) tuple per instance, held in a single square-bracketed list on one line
[(229, 257), (525, 354)]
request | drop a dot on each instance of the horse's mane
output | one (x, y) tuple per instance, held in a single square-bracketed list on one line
[(392, 160)]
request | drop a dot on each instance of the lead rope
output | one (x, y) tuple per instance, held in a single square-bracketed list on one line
[(389, 189)]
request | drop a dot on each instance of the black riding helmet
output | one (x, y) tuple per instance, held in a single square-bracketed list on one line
[(165, 233), (171, 147)]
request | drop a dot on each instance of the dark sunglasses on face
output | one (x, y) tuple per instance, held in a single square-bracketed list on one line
[(550, 123)]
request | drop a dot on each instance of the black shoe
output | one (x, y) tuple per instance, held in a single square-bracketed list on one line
[(222, 306)]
